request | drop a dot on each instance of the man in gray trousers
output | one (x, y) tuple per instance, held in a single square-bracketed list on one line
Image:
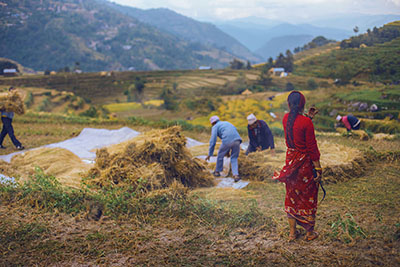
[(230, 143)]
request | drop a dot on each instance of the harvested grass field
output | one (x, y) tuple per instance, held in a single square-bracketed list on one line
[(357, 222), (45, 223)]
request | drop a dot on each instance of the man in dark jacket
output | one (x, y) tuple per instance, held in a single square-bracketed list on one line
[(6, 118), (260, 136)]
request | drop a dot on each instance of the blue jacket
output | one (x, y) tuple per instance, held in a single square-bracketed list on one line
[(224, 130), (261, 136), (7, 114)]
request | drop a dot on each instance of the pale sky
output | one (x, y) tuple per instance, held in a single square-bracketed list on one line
[(284, 10)]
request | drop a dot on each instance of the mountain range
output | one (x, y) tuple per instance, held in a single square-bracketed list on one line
[(265, 36), (188, 29), (55, 34), (99, 35)]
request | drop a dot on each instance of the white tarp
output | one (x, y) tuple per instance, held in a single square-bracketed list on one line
[(90, 139), (229, 182), (191, 142), (226, 181)]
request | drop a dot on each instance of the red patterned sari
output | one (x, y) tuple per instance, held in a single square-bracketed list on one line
[(301, 189)]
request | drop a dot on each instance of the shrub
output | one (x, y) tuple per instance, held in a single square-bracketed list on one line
[(29, 100), (311, 84), (91, 112)]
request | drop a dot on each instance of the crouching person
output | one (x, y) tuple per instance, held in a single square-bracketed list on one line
[(230, 143)]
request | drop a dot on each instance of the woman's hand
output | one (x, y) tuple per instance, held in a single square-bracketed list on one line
[(318, 170), (318, 178), (312, 112), (207, 158)]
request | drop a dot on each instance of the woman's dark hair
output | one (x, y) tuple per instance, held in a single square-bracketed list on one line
[(296, 103)]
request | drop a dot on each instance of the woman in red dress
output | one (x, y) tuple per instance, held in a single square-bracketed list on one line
[(302, 171)]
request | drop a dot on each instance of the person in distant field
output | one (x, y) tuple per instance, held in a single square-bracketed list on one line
[(260, 136), (302, 172), (349, 121), (230, 144), (6, 118)]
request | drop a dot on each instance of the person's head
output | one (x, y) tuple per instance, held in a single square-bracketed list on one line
[(11, 89), (214, 120), (251, 119), (338, 118), (296, 102)]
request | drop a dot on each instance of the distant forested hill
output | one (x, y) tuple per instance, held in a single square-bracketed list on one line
[(276, 45), (55, 34), (374, 56), (189, 29)]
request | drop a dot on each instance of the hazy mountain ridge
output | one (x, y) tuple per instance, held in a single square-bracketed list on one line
[(362, 21), (55, 34), (258, 38), (189, 29), (372, 56), (274, 46), (258, 33)]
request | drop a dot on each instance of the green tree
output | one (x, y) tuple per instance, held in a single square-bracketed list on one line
[(265, 77), (311, 84), (139, 85), (289, 61), (344, 74), (236, 64), (248, 65), (169, 99)]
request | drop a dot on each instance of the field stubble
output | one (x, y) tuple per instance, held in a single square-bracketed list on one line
[(357, 222)]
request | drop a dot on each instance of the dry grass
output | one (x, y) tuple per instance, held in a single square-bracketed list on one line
[(12, 101), (30, 236), (153, 160), (61, 163)]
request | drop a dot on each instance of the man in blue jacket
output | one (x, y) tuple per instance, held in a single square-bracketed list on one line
[(6, 118), (230, 143), (260, 136)]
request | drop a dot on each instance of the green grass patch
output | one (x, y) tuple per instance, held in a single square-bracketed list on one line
[(346, 229)]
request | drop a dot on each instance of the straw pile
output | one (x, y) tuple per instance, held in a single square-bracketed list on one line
[(339, 163), (339, 173), (259, 166), (361, 134), (12, 101), (152, 161), (67, 167)]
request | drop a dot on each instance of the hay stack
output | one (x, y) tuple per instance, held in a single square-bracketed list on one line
[(152, 161), (361, 134), (339, 163), (339, 173), (67, 167), (12, 101), (257, 166)]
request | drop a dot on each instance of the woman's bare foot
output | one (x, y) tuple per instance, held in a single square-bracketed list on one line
[(311, 235), (293, 236)]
